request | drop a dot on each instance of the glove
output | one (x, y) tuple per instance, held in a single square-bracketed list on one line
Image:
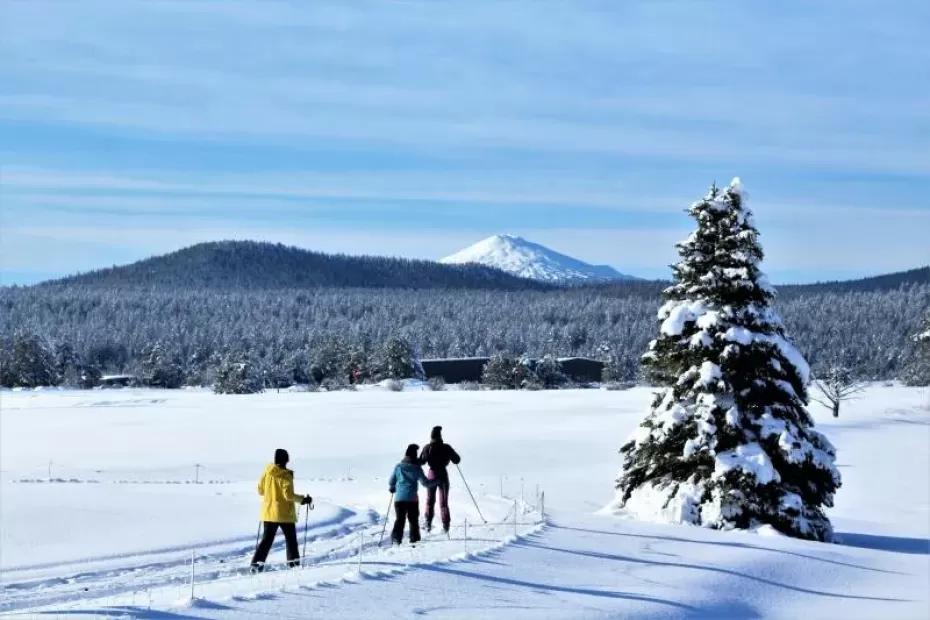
[(392, 490), (306, 501)]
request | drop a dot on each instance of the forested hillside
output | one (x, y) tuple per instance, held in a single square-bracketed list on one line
[(252, 265), (285, 331)]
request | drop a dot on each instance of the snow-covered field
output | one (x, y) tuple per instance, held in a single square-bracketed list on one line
[(104, 495)]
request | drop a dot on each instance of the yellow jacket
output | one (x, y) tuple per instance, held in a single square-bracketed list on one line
[(276, 487)]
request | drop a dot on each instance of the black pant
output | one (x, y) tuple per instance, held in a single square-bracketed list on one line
[(290, 540), (411, 512)]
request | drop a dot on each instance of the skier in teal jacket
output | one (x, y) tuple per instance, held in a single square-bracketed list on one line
[(404, 485)]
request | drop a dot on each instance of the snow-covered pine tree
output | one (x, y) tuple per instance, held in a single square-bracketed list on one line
[(619, 370), (918, 370), (728, 443), (328, 360), (237, 376), (161, 368), (549, 373), (31, 361), (399, 360), (359, 366), (65, 360), (504, 372)]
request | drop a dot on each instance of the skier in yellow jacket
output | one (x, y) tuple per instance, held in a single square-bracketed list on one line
[(279, 501)]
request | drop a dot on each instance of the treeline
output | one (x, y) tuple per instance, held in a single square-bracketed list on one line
[(71, 333)]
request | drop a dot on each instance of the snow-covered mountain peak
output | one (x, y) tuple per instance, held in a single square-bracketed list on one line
[(524, 258)]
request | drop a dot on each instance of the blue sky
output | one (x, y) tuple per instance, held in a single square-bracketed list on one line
[(416, 128)]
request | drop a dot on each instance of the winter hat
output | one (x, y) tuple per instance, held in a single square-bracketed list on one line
[(412, 450), (281, 457), (436, 434)]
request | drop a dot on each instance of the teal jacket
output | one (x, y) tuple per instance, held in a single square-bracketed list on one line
[(404, 479)]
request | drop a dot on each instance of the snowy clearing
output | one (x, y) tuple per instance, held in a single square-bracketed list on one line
[(102, 502)]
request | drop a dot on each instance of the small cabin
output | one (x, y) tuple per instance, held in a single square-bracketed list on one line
[(455, 370), (118, 381), (582, 369)]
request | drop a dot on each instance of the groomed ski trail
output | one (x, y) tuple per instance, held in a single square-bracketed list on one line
[(160, 579)]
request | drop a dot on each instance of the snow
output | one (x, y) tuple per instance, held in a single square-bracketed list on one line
[(701, 339), (526, 259), (407, 385), (648, 502), (124, 511), (748, 458), (736, 186), (675, 314), (709, 373), (739, 335)]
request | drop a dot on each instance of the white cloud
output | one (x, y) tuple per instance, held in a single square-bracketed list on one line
[(488, 188), (659, 82), (505, 106)]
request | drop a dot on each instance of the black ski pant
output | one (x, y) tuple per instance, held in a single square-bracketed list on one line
[(409, 512), (290, 540)]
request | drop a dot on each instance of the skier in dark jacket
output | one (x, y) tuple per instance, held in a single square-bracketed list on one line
[(403, 485), (438, 454)]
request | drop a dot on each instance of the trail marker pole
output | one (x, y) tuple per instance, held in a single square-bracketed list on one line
[(514, 517), (193, 552), (542, 505), (197, 467), (359, 568), (470, 493)]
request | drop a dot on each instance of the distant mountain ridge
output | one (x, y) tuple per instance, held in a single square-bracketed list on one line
[(527, 259), (884, 282), (254, 265)]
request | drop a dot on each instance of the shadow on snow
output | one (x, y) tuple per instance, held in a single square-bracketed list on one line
[(897, 544), (712, 569), (740, 545)]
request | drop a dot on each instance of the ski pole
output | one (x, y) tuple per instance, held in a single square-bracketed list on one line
[(470, 493), (306, 525), (386, 513), (258, 534)]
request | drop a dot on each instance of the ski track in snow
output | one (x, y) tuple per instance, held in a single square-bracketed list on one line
[(109, 575), (160, 578)]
